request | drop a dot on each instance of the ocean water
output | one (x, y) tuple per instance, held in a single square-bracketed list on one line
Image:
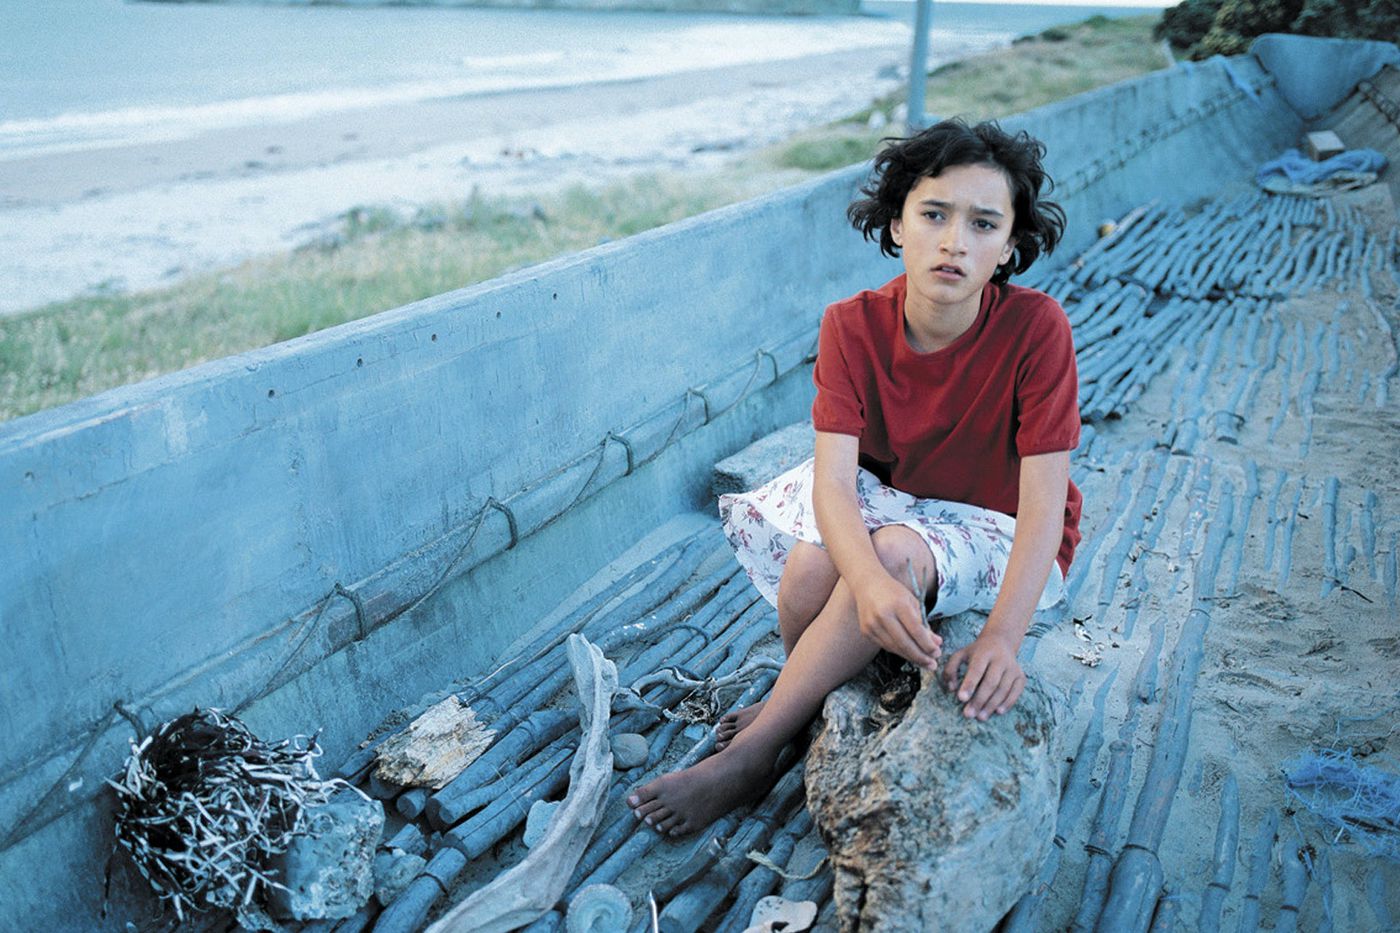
[(78, 74)]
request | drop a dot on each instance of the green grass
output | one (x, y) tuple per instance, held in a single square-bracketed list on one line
[(75, 348), (1059, 63), (379, 260)]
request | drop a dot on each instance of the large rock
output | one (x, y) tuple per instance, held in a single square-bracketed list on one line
[(329, 873), (933, 821), (764, 459)]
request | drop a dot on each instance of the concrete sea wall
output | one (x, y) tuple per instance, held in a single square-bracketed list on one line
[(319, 532)]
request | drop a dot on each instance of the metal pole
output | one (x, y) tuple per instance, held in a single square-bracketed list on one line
[(918, 66)]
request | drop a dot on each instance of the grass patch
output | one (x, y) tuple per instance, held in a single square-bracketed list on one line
[(376, 259), (1059, 63), (373, 262)]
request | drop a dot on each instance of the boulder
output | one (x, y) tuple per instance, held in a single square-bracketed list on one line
[(329, 872), (764, 459), (933, 821)]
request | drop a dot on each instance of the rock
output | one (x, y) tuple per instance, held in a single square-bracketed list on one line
[(629, 750), (329, 873), (251, 917), (773, 913), (933, 820), (393, 872), (598, 908), (764, 459), (537, 821)]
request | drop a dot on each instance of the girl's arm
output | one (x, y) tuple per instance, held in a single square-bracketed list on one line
[(889, 613), (994, 678)]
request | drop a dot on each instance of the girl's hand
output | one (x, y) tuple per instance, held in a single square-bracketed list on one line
[(994, 679), (892, 617)]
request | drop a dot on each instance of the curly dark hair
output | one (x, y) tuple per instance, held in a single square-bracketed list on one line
[(1038, 222)]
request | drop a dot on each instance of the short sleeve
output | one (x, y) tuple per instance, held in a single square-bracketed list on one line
[(1047, 387), (838, 408)]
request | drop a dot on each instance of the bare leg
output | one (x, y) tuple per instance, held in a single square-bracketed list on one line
[(809, 576), (830, 652), (808, 579)]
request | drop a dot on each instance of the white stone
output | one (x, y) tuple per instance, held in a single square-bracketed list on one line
[(629, 750), (537, 821)]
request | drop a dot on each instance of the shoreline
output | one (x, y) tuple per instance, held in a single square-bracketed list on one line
[(142, 216)]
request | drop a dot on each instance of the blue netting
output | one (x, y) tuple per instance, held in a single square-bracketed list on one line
[(1358, 801)]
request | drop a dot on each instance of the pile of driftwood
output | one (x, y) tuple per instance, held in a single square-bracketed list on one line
[(682, 629)]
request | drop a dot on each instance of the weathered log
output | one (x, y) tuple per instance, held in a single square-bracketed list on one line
[(761, 879), (435, 748), (1025, 916), (915, 808), (1227, 839)]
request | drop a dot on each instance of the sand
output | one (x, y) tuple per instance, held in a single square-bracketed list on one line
[(1301, 644), (137, 216)]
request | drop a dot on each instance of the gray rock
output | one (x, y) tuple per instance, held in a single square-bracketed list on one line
[(629, 750), (394, 871), (599, 908), (329, 873), (764, 459), (933, 820), (537, 821)]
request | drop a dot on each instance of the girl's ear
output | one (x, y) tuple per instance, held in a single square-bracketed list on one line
[(1007, 251), (896, 230)]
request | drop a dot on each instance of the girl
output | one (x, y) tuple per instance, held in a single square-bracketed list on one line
[(947, 403)]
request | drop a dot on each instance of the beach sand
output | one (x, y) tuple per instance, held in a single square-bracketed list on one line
[(138, 216)]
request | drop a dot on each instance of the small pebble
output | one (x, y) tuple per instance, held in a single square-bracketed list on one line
[(629, 750)]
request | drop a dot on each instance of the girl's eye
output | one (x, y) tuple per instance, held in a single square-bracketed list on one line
[(934, 215), (986, 225)]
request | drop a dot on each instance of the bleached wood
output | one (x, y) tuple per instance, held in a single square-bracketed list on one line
[(521, 894), (435, 748)]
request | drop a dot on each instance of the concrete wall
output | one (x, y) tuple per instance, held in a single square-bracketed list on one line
[(179, 542)]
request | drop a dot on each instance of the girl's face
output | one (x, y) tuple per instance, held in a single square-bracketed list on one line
[(954, 231)]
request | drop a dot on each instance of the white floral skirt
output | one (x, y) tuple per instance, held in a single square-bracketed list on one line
[(970, 545)]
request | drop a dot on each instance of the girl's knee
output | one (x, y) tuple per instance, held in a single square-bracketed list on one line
[(809, 577), (808, 567), (899, 548)]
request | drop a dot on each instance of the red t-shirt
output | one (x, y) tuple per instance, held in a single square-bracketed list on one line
[(953, 424)]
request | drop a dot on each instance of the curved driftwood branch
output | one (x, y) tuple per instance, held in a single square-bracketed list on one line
[(510, 901)]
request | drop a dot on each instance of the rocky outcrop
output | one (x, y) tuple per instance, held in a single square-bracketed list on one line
[(933, 821)]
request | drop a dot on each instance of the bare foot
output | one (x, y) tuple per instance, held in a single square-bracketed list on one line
[(734, 723), (684, 802)]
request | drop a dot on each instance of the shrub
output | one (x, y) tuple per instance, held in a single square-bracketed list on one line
[(1226, 27)]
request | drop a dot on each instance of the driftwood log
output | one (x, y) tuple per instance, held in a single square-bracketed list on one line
[(933, 821), (520, 895), (435, 748)]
